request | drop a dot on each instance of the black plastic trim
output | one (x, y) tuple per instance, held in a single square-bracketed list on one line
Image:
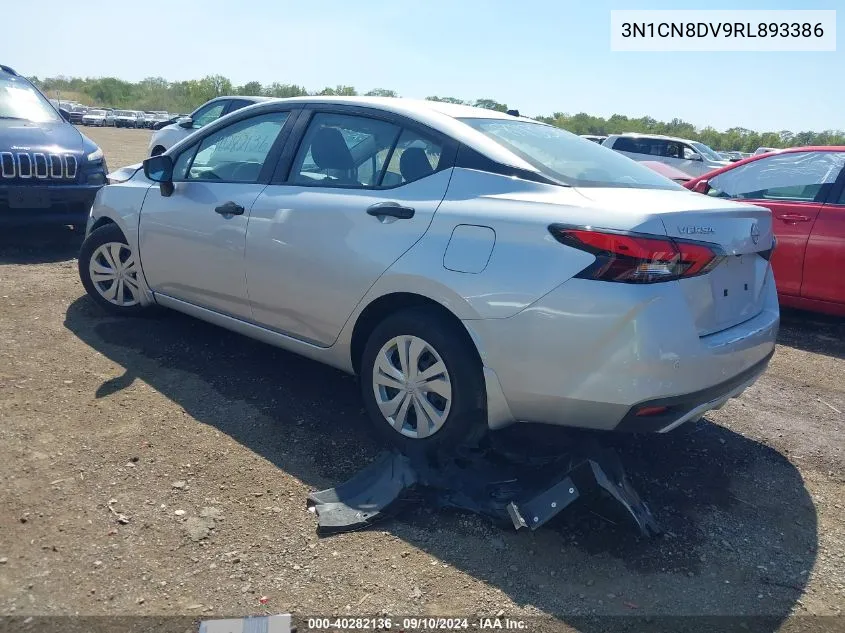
[(679, 406), (469, 158)]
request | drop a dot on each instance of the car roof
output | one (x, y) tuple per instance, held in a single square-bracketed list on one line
[(440, 116), (756, 157), (411, 107), (255, 98), (662, 137)]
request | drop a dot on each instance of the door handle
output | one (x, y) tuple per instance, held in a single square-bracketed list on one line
[(390, 209), (229, 208), (794, 218)]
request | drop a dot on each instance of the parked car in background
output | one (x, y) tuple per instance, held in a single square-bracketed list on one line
[(170, 134), (128, 118), (77, 113), (473, 268), (764, 150), (98, 118), (690, 157), (804, 187), (49, 171), (733, 156), (155, 118), (670, 172), (594, 138)]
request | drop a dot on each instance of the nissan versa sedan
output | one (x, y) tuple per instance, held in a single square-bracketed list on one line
[(473, 268)]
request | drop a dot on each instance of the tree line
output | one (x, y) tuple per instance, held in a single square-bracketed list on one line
[(156, 93)]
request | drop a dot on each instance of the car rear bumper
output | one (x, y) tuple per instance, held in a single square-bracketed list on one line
[(592, 354), (69, 204)]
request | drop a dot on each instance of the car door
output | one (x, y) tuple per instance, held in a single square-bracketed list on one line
[(355, 193), (824, 264), (191, 240), (691, 162), (793, 185)]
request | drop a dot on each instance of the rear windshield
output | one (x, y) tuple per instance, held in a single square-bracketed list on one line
[(567, 158)]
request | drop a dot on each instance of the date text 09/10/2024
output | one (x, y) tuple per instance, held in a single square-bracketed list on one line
[(415, 624)]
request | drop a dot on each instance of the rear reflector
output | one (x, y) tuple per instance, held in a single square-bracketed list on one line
[(638, 258), (645, 411)]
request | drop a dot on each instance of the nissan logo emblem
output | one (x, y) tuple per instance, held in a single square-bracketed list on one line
[(755, 233)]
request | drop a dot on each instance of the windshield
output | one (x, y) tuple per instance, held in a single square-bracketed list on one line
[(97, 112), (706, 151), (567, 158), (19, 100), (124, 113)]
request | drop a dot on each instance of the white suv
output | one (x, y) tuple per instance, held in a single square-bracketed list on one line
[(169, 135), (692, 157)]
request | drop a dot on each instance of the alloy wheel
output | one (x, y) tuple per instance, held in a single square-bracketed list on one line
[(412, 386)]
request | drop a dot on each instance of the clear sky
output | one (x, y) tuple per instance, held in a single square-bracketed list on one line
[(541, 57)]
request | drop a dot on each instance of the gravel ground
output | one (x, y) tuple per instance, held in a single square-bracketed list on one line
[(160, 466)]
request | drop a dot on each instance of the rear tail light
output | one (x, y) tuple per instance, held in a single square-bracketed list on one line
[(638, 258)]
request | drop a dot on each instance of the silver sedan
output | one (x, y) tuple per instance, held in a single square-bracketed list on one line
[(473, 268)]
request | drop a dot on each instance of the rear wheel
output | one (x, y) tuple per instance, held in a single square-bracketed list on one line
[(422, 382), (109, 271), (158, 149)]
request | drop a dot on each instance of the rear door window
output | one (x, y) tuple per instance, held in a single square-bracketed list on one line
[(237, 104), (343, 150)]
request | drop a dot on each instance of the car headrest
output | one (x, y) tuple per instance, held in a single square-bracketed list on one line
[(329, 150), (414, 164)]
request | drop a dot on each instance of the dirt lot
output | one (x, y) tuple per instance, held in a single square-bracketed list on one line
[(160, 466)]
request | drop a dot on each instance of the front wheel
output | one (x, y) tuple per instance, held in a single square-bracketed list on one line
[(109, 271), (422, 382)]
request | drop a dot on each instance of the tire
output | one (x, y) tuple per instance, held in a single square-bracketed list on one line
[(100, 250), (157, 150), (460, 398)]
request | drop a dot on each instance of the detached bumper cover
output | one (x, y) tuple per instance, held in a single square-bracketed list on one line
[(524, 490)]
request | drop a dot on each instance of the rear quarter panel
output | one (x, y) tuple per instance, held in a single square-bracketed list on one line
[(526, 261)]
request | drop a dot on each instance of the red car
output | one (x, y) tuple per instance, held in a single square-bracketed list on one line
[(672, 173), (804, 187)]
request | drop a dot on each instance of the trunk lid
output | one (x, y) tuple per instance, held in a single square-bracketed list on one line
[(731, 293)]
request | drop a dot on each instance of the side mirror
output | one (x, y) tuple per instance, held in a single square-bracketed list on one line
[(65, 114), (701, 186), (695, 157), (186, 122), (160, 169)]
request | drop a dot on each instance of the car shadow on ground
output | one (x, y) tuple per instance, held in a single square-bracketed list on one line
[(812, 332), (39, 244), (741, 527)]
